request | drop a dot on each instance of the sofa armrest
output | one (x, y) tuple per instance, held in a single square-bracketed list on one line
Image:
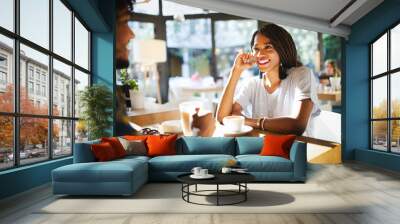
[(83, 152), (298, 155)]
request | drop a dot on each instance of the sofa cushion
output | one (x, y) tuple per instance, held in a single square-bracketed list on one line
[(249, 145), (135, 137), (277, 145), (185, 163), (160, 145), (116, 145), (103, 152), (112, 171), (134, 147), (206, 145), (257, 163)]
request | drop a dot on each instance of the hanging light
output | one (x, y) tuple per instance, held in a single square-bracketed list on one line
[(179, 17)]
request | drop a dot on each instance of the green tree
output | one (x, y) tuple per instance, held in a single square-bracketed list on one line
[(33, 131), (332, 48)]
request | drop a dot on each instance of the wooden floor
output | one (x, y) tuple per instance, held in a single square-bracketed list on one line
[(377, 188)]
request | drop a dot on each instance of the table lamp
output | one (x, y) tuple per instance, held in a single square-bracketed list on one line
[(148, 53)]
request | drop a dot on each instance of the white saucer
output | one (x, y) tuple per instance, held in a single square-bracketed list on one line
[(208, 176), (246, 129)]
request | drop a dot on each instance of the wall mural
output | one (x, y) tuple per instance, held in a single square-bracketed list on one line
[(267, 77)]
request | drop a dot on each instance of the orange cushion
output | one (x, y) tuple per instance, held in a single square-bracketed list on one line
[(277, 145), (103, 152), (116, 145), (159, 145), (136, 137)]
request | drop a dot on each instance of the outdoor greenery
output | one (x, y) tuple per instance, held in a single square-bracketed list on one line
[(199, 61), (306, 43), (34, 131), (132, 83), (332, 48), (380, 128), (96, 104)]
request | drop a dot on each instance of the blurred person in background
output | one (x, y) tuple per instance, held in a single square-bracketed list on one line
[(331, 70)]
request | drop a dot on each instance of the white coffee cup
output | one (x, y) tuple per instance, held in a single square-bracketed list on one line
[(335, 83), (226, 170), (233, 123), (187, 110), (196, 171), (203, 172)]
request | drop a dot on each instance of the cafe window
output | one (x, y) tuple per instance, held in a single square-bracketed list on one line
[(385, 96), (44, 43)]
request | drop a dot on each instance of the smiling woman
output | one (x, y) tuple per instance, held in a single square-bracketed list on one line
[(284, 98)]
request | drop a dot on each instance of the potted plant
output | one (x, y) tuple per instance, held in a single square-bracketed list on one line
[(96, 110), (136, 96)]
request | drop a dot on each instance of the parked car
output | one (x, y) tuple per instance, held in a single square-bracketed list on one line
[(10, 156)]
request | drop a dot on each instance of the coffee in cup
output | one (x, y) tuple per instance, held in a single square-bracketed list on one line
[(187, 110), (196, 119), (233, 123)]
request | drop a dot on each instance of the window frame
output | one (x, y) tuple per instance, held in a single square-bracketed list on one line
[(159, 22), (388, 74), (15, 68)]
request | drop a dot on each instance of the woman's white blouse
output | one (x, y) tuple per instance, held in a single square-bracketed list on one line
[(285, 101)]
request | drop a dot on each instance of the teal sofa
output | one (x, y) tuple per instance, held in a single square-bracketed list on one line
[(125, 176)]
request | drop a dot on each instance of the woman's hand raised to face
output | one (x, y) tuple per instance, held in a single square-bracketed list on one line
[(244, 61)]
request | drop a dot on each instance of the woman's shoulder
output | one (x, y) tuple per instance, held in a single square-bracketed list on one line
[(300, 70), (299, 73)]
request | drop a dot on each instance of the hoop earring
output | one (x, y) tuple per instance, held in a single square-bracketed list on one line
[(282, 71)]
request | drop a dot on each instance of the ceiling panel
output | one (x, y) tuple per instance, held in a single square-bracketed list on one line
[(312, 15), (321, 9)]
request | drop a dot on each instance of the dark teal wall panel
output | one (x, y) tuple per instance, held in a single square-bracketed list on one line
[(103, 65), (24, 178), (356, 118), (89, 11), (375, 22), (103, 58), (357, 101), (376, 158)]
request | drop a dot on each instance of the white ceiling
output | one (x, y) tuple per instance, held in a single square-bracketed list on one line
[(313, 15), (322, 9)]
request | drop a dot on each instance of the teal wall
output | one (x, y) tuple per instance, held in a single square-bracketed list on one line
[(103, 56), (24, 178), (99, 15), (380, 159), (356, 116)]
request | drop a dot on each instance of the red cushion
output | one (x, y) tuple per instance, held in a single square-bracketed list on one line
[(277, 145), (103, 152), (136, 137), (159, 145), (116, 145)]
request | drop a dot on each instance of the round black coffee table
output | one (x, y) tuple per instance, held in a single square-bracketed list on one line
[(238, 179)]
